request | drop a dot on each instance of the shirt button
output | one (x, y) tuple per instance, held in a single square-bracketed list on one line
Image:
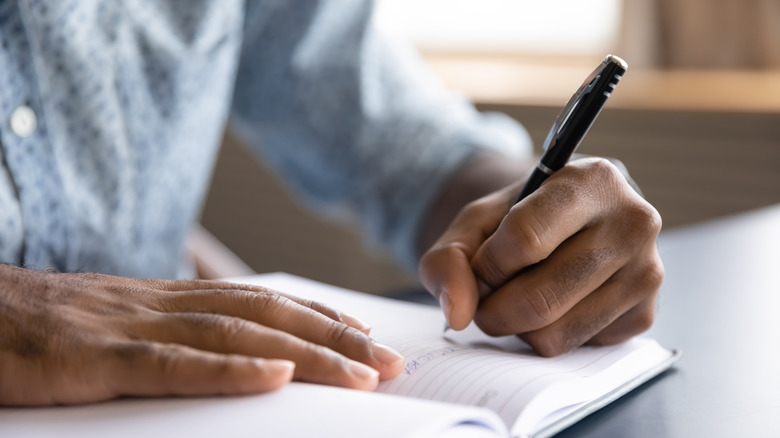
[(23, 121)]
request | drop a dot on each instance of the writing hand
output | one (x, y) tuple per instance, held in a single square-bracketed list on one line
[(575, 262), (77, 338)]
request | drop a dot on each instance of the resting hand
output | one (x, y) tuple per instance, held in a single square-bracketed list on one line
[(574, 262), (77, 338)]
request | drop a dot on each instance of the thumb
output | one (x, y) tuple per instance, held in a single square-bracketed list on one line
[(445, 269), (446, 273)]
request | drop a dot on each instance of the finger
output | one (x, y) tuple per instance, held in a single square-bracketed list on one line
[(229, 335), (227, 291), (445, 269), (635, 321), (570, 200), (330, 312), (544, 293), (282, 313), (620, 309), (142, 368)]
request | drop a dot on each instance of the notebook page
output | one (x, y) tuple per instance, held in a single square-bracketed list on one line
[(504, 381), (470, 368), (635, 366)]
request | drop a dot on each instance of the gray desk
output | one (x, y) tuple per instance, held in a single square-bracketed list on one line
[(720, 304)]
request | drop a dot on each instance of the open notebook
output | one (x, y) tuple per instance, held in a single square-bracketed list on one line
[(458, 384)]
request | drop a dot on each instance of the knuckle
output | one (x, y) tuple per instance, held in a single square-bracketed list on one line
[(645, 218), (643, 320), (652, 276), (268, 302), (324, 309), (544, 303), (337, 333), (639, 321), (640, 224), (598, 171), (144, 356), (226, 331), (642, 217), (489, 269), (594, 170), (533, 309), (202, 321), (602, 169), (447, 253), (132, 352), (171, 360), (603, 174), (343, 338), (166, 360), (642, 317), (528, 237), (230, 328)]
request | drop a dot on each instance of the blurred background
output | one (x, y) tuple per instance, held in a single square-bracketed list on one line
[(696, 119)]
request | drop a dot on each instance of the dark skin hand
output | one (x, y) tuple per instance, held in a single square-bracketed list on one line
[(573, 263), (79, 338)]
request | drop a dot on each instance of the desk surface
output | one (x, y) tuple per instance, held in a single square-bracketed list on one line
[(719, 304)]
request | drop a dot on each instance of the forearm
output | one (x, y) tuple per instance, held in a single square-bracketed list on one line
[(479, 175)]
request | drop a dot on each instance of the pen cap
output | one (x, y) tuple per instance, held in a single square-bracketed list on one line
[(581, 111)]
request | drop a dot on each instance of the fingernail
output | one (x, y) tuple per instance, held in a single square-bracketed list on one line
[(355, 323), (385, 354), (362, 371), (277, 366), (445, 303)]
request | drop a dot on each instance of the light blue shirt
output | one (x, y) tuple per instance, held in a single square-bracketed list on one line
[(111, 115)]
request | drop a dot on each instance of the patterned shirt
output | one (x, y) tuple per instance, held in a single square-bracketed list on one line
[(111, 114)]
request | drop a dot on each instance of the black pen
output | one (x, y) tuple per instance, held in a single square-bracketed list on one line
[(575, 120)]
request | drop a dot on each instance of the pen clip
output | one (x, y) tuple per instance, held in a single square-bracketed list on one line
[(603, 79)]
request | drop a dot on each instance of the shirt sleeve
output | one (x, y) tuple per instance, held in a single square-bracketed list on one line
[(353, 121)]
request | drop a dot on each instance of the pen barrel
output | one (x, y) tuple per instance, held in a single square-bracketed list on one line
[(575, 121), (534, 181)]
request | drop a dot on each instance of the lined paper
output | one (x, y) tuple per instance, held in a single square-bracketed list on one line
[(470, 368)]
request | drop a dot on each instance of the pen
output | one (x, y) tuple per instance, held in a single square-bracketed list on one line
[(575, 120)]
